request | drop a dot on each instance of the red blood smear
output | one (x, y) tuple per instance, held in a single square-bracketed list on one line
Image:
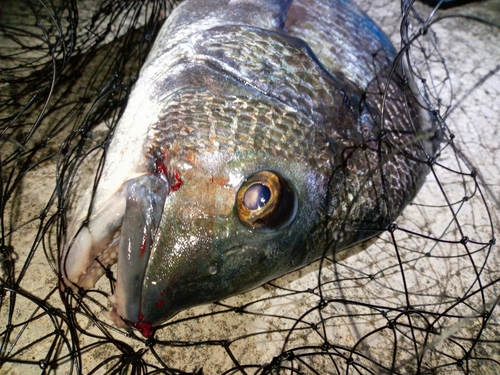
[(178, 182), (160, 167), (146, 329), (160, 303)]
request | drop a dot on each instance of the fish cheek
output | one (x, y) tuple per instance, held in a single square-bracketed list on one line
[(179, 262), (263, 257), (184, 274)]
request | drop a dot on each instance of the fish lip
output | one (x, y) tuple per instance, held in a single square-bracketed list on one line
[(85, 277), (127, 300), (141, 220)]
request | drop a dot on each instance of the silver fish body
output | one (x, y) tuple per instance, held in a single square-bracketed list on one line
[(260, 136)]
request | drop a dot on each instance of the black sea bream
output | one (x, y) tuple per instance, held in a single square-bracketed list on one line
[(260, 136)]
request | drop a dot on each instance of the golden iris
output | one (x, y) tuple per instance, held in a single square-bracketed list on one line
[(266, 200)]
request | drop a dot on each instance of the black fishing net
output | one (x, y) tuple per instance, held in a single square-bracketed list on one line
[(420, 299)]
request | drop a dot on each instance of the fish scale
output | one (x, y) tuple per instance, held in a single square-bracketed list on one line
[(298, 81), (294, 134), (259, 136)]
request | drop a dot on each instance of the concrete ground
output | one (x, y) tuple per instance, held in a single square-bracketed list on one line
[(420, 299)]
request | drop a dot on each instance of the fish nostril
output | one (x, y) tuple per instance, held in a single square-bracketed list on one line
[(237, 249), (212, 270)]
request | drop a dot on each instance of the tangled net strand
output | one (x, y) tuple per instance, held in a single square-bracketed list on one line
[(420, 299)]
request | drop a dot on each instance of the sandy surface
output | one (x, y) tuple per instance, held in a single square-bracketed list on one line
[(415, 299)]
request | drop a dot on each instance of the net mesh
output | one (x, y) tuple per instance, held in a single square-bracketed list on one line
[(419, 299)]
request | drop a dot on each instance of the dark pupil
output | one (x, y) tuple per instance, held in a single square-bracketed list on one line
[(256, 196)]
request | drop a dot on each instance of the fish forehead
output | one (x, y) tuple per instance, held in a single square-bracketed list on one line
[(271, 63), (176, 44)]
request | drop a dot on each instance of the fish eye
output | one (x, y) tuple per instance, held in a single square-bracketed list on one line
[(256, 196), (266, 201)]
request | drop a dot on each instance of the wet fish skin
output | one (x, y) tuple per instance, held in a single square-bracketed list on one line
[(231, 89)]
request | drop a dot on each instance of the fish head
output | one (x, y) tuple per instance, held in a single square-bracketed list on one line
[(239, 154), (234, 223), (211, 211)]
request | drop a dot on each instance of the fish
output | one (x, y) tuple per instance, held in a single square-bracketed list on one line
[(260, 136)]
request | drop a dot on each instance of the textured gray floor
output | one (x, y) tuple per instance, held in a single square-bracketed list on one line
[(471, 51)]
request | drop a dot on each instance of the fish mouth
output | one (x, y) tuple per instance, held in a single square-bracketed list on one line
[(93, 249), (122, 232), (103, 260)]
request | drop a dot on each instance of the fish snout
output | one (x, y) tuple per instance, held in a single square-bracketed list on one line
[(123, 231)]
